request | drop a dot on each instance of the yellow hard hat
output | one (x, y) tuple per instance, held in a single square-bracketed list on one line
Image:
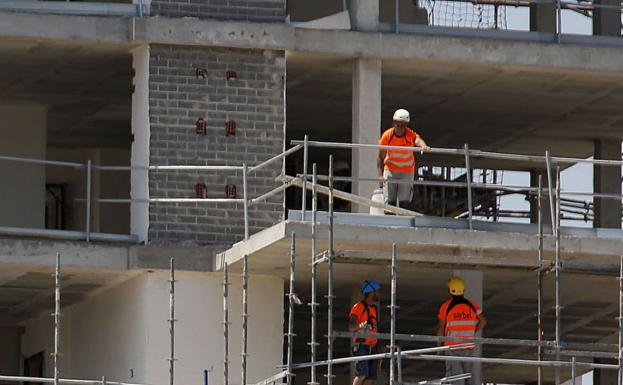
[(456, 286)]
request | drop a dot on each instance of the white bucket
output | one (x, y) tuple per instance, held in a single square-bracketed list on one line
[(377, 196)]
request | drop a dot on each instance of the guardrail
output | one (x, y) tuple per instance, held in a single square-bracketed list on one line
[(555, 194)]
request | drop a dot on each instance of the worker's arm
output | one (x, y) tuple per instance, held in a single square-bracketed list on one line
[(353, 326), (441, 328), (380, 165), (482, 322), (419, 142)]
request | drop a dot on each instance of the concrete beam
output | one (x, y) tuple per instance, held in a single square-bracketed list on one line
[(499, 48)]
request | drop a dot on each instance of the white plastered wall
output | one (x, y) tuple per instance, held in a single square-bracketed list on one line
[(123, 332)]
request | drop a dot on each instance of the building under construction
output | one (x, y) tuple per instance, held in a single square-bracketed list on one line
[(186, 188)]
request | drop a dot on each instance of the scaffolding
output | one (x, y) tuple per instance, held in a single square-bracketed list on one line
[(396, 356)]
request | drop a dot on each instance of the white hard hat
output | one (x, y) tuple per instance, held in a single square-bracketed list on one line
[(402, 116)]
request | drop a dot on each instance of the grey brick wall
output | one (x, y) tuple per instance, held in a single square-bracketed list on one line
[(177, 98), (246, 10)]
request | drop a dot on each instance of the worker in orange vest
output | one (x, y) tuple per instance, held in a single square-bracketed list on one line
[(461, 318), (398, 164), (364, 318)]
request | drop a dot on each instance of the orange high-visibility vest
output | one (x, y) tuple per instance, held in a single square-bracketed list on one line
[(461, 318), (399, 160), (366, 313)]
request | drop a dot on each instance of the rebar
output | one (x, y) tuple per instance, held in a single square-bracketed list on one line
[(304, 192), (314, 301), (245, 316), (225, 325), (557, 271), (540, 281), (57, 318), (468, 180), (172, 322), (291, 301), (392, 307), (330, 279)]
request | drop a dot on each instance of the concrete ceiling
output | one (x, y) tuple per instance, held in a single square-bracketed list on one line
[(87, 88), (511, 109), (27, 291)]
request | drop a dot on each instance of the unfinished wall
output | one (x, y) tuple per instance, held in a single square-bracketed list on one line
[(177, 99), (246, 10), (122, 332)]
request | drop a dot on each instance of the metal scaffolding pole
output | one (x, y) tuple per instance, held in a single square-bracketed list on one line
[(468, 179), (245, 196), (304, 192), (539, 318), (313, 344), (172, 322), (550, 190), (225, 325), (245, 316), (620, 378), (57, 318), (330, 279), (291, 301), (392, 308), (557, 270)]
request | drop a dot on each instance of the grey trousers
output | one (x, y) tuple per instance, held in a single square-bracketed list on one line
[(454, 368), (395, 193)]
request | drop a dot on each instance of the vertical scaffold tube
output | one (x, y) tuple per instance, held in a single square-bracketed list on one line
[(245, 316), (620, 379), (468, 179), (557, 270), (330, 279), (172, 321), (539, 318), (225, 325), (313, 344), (392, 340), (304, 193), (291, 297), (57, 318)]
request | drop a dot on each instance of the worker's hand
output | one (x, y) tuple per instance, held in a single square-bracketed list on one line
[(381, 182)]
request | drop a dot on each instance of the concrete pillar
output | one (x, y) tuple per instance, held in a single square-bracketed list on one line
[(543, 18), (607, 180), (534, 182), (139, 180), (364, 15), (607, 22), (23, 133), (474, 292), (10, 354), (366, 123)]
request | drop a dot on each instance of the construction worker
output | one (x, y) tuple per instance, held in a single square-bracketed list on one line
[(398, 164), (461, 318), (364, 318)]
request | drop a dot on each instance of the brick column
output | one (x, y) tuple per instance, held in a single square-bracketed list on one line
[(253, 102)]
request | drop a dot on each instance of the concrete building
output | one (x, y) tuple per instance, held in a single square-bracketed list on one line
[(111, 91)]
